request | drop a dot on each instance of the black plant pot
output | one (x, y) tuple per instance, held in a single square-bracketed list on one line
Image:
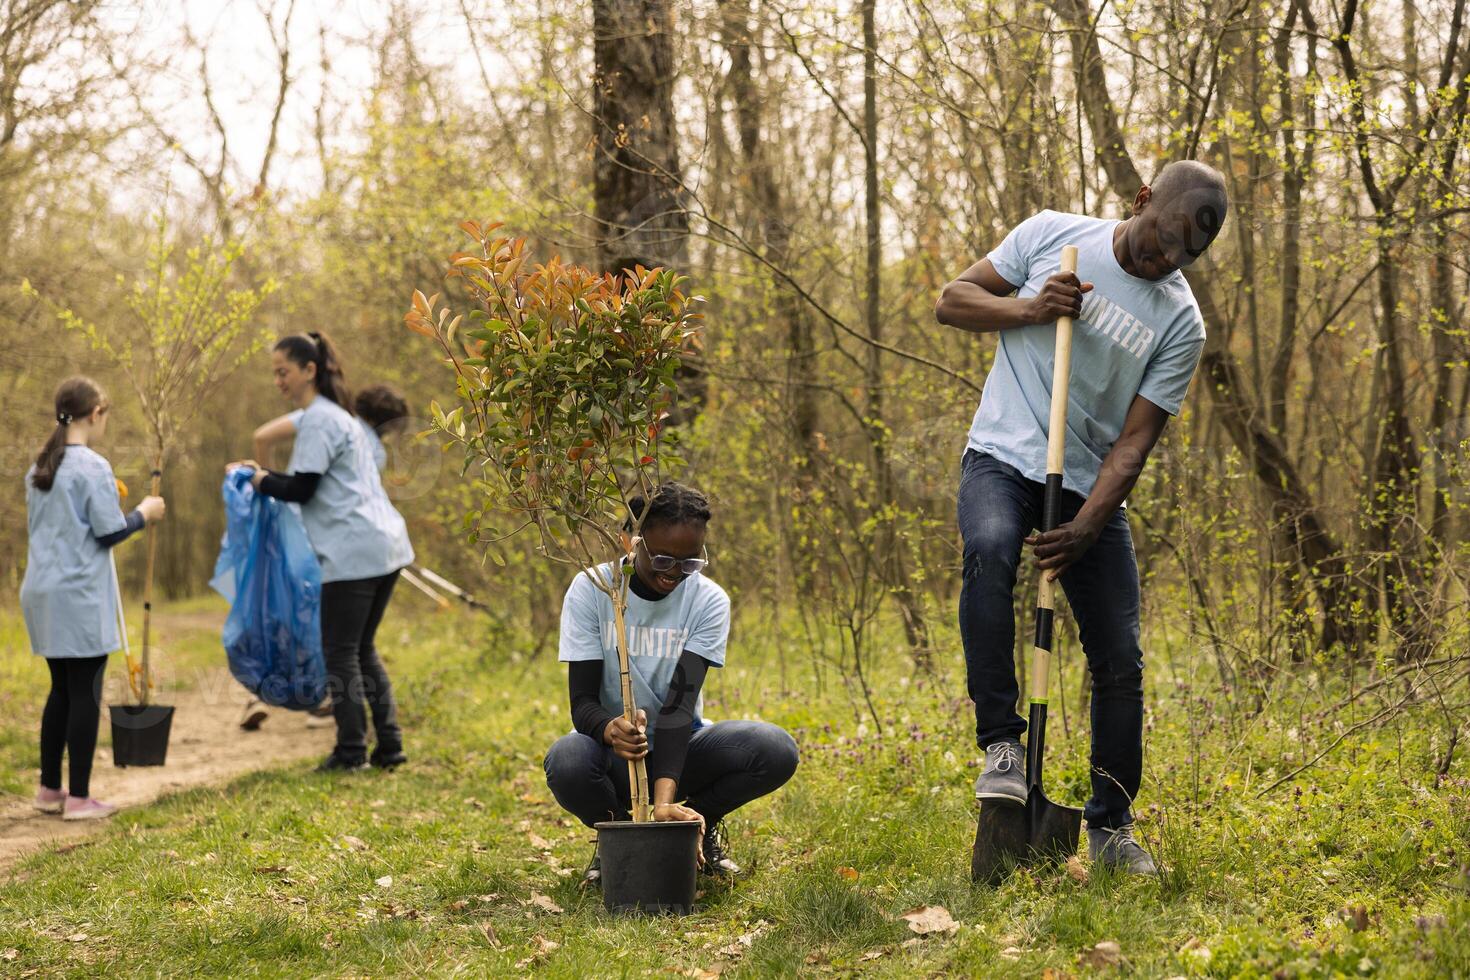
[(648, 867), (140, 733)]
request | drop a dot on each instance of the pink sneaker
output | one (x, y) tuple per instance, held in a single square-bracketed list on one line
[(87, 809), (49, 800)]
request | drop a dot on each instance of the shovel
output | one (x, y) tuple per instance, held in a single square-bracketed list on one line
[(1007, 834)]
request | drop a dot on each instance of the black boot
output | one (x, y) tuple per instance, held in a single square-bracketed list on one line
[(716, 862), (387, 758), (338, 762)]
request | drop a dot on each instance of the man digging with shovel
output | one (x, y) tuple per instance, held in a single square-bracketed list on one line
[(1138, 340)]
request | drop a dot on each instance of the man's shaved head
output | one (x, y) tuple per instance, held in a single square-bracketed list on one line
[(1197, 191), (1174, 220)]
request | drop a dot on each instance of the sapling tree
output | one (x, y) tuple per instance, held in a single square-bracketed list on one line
[(180, 332), (564, 379)]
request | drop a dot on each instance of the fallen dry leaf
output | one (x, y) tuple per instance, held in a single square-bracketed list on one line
[(459, 906), (1077, 871), (927, 919), (1355, 917), (384, 882), (354, 843), (873, 954), (10, 954), (701, 974), (77, 937), (1054, 974), (1105, 953), (1012, 952), (545, 904), (851, 874), (489, 933), (739, 946), (543, 946), (538, 842)]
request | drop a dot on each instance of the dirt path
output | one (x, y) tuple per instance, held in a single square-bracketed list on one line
[(206, 747)]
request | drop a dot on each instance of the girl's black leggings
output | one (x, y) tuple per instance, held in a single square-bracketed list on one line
[(69, 720)]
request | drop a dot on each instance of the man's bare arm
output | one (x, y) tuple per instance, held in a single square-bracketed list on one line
[(980, 301), (1144, 424)]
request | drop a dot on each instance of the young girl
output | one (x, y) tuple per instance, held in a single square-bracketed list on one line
[(359, 538), (678, 621), (381, 411), (70, 596)]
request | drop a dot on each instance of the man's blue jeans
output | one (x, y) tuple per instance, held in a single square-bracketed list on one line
[(998, 507)]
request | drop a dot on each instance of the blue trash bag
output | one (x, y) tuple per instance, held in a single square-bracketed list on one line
[(269, 573)]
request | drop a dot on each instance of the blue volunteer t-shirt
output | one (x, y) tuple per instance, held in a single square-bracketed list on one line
[(1134, 337), (354, 528), (694, 617), (375, 442), (69, 596)]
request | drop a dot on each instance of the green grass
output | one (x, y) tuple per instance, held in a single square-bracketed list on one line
[(276, 874)]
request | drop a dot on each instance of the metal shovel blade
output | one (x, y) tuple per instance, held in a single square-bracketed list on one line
[(1002, 841), (1052, 829)]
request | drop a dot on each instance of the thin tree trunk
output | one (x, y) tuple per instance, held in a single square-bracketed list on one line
[(770, 205), (1393, 492), (896, 561)]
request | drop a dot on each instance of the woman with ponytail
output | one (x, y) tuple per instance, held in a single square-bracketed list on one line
[(381, 412), (70, 596), (358, 536)]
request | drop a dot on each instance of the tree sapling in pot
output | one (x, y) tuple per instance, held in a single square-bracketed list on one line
[(565, 378)]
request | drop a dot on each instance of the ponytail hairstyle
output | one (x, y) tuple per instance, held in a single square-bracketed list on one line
[(76, 398), (382, 408), (315, 348)]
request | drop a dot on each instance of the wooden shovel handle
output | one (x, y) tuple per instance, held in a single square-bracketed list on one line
[(156, 487), (1056, 454)]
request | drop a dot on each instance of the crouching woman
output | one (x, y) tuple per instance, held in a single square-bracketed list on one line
[(678, 621)]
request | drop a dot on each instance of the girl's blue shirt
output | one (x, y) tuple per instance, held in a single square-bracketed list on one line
[(69, 596)]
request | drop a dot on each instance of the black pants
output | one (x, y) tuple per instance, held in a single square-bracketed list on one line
[(730, 763), (69, 721), (356, 681)]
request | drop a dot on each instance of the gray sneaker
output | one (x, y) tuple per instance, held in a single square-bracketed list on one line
[(1004, 776), (1119, 850)]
